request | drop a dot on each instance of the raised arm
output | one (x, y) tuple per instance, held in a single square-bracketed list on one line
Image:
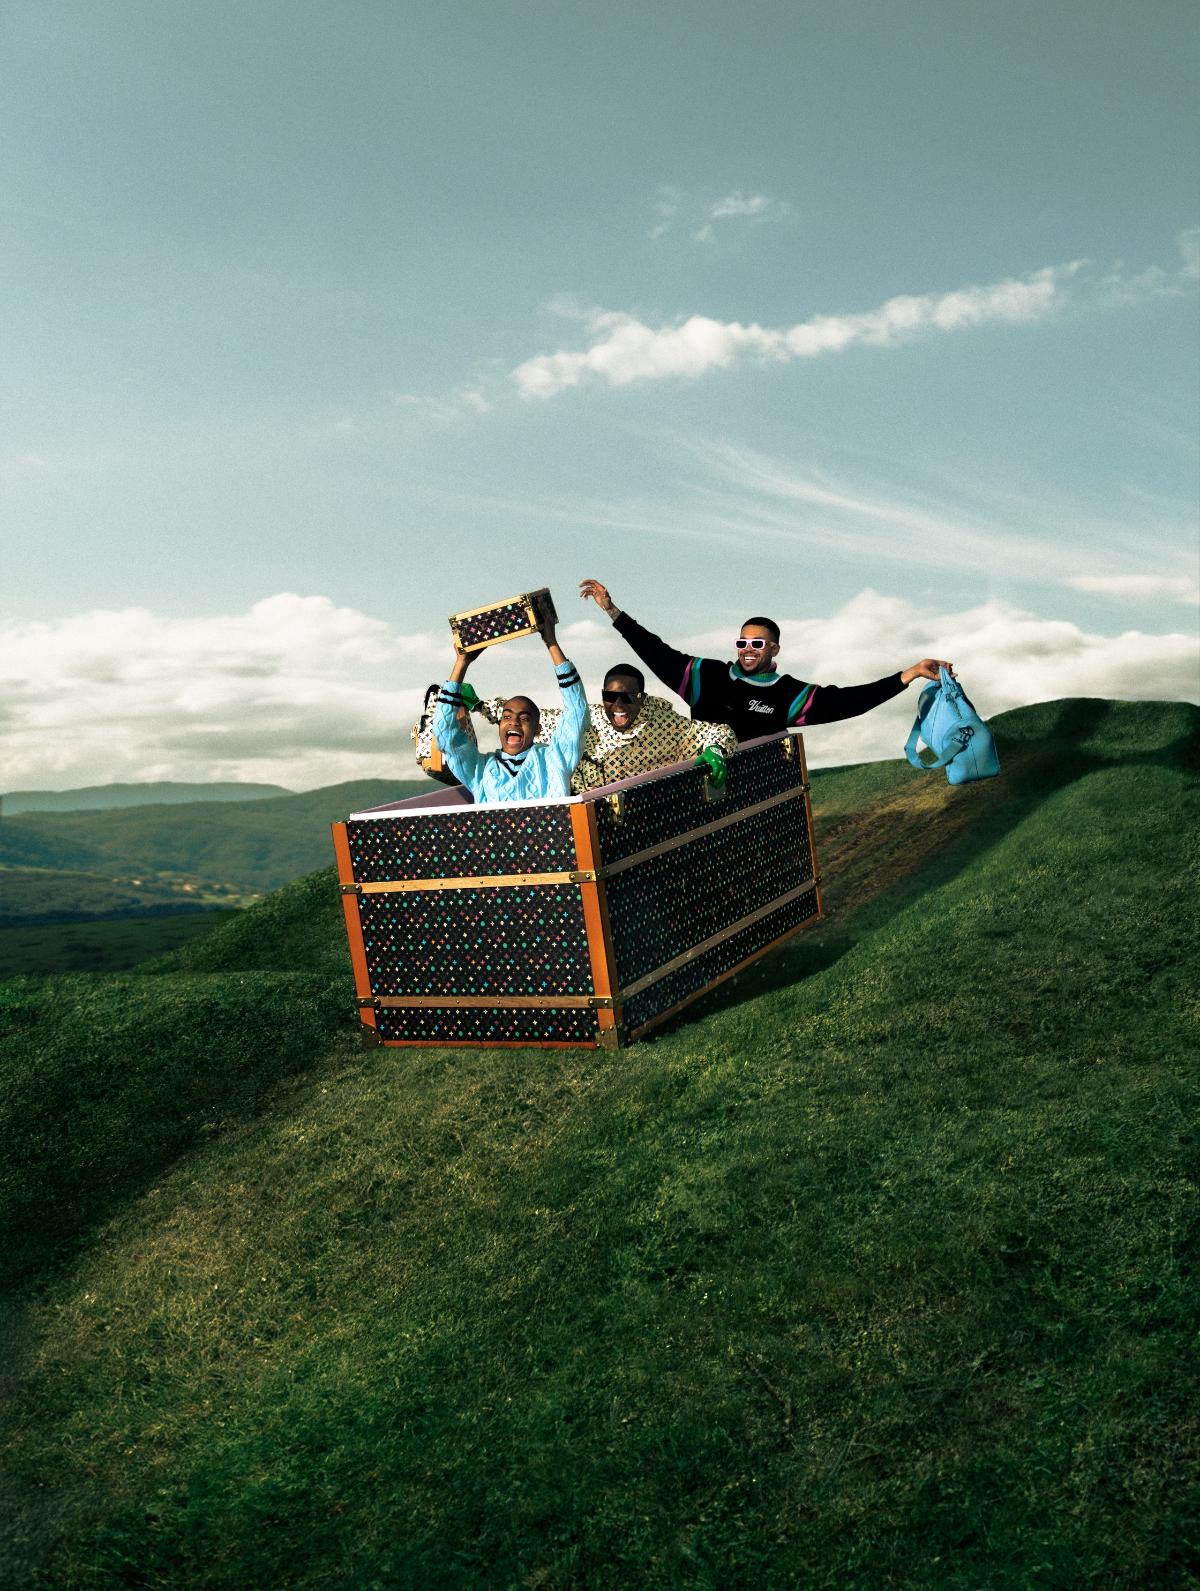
[(829, 704), (678, 672), (566, 743), (461, 754)]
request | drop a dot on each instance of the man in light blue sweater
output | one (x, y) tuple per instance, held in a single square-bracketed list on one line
[(520, 770)]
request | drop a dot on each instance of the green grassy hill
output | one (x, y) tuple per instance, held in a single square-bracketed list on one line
[(217, 852), (875, 1269), (32, 895), (109, 944)]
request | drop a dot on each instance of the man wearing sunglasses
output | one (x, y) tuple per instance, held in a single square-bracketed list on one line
[(631, 733), (749, 694)]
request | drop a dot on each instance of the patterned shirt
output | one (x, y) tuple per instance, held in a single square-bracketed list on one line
[(659, 735)]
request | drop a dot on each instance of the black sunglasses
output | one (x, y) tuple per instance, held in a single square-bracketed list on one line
[(628, 697), (756, 641)]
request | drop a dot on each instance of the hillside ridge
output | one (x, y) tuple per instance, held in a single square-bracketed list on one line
[(875, 1268), (216, 851), (106, 797)]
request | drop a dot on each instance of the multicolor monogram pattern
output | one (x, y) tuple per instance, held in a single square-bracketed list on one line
[(478, 842), (431, 1024), (497, 943), (652, 812), (519, 940), (502, 622), (663, 906), (697, 975), (659, 736)]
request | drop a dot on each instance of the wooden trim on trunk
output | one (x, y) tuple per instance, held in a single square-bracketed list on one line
[(358, 950), (812, 833), (410, 886), (489, 1002), (354, 933), (490, 1044), (341, 850), (595, 917)]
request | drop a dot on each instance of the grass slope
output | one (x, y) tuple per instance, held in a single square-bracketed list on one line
[(877, 1271), (297, 929), (106, 945)]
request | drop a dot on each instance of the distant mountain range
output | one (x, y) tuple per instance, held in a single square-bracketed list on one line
[(125, 861), (103, 797)]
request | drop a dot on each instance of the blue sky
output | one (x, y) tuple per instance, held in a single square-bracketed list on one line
[(814, 310)]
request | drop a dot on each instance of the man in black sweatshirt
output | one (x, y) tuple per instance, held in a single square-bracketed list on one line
[(748, 694)]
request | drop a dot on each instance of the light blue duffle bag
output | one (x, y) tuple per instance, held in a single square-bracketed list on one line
[(960, 740)]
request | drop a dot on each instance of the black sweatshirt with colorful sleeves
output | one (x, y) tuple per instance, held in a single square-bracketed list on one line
[(752, 704)]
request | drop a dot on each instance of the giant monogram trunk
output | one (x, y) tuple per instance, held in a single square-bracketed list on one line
[(581, 921)]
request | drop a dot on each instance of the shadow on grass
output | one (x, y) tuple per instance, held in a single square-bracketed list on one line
[(1033, 771), (108, 1080)]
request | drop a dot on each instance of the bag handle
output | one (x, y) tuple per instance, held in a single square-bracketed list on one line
[(910, 751), (928, 695)]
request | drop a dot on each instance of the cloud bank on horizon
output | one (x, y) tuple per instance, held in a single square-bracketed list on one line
[(627, 351), (300, 692)]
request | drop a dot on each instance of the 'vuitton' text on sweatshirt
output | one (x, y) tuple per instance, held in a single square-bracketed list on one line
[(751, 704)]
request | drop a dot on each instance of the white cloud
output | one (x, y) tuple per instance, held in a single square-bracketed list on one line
[(741, 205), (702, 214), (665, 209), (628, 351), (632, 352), (295, 691), (1169, 588), (302, 693), (446, 407), (972, 525), (1189, 249), (1119, 288)]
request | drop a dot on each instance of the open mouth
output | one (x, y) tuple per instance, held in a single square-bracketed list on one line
[(513, 740), (620, 719)]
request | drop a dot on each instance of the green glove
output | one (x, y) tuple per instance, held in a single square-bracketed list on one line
[(470, 696), (712, 760)]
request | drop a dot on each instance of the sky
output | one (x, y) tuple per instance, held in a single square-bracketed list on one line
[(323, 321)]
